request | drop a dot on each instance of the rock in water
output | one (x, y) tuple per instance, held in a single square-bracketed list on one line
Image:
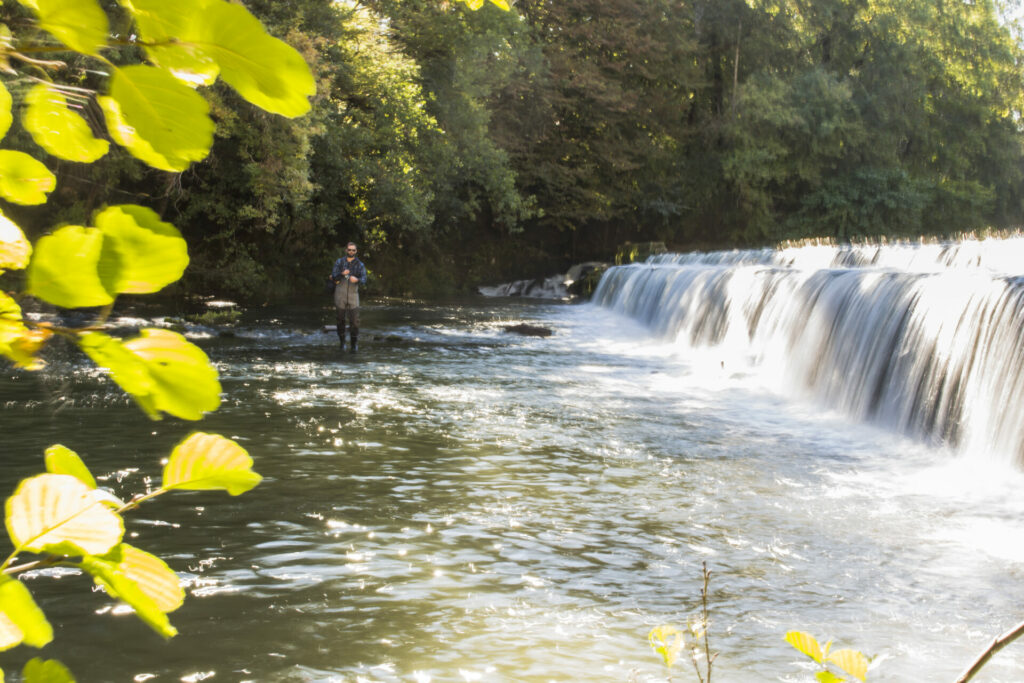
[(529, 330)]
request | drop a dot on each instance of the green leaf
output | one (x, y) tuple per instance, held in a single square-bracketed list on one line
[(850, 661), (21, 620), (57, 129), (6, 117), (805, 643), (15, 250), (80, 24), (46, 671), (62, 460), (64, 271), (141, 254), (502, 4), (157, 118), (59, 515), (225, 37), (24, 180), (828, 677), (174, 36), (667, 641), (160, 369), (264, 70), (141, 580), (210, 462)]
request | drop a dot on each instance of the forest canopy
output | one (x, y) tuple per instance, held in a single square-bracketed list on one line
[(460, 147)]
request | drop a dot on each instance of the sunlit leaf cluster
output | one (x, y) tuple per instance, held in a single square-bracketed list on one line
[(62, 516), (850, 663)]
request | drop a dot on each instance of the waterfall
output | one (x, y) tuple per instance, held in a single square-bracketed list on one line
[(924, 339)]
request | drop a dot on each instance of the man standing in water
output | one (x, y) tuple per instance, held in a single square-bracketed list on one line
[(348, 273)]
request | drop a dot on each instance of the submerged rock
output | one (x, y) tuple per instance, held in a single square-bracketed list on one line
[(529, 330)]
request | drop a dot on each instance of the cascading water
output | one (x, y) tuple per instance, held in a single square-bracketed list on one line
[(925, 339)]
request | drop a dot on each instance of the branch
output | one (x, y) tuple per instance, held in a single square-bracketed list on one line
[(997, 644)]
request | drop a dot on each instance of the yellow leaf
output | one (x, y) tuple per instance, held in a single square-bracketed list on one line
[(805, 643), (80, 24), (58, 514), (667, 641), (23, 180), (45, 671), (57, 129), (6, 118), (62, 460), (852, 662), (65, 269), (21, 620), (15, 249), (210, 462)]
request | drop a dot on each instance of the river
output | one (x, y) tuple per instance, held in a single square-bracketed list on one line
[(457, 503)]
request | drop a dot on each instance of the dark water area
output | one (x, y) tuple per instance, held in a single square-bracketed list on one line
[(457, 503)]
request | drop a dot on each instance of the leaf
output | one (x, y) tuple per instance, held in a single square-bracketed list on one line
[(157, 118), (17, 342), (46, 671), (6, 117), (141, 580), (174, 36), (80, 24), (141, 254), (59, 515), (225, 37), (667, 641), (24, 180), (64, 271), (21, 620), (15, 249), (502, 4), (850, 661), (57, 129), (828, 677), (160, 369), (62, 460), (805, 643), (210, 462)]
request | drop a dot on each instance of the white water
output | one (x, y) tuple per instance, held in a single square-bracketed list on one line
[(925, 340)]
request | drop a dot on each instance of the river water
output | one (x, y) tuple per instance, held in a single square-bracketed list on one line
[(457, 503)]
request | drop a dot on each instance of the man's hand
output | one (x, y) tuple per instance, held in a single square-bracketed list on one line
[(353, 279)]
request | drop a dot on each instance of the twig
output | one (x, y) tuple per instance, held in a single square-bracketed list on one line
[(997, 644)]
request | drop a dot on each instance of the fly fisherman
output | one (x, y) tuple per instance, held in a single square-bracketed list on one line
[(348, 273)]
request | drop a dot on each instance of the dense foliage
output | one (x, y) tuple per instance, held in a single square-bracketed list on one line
[(459, 147)]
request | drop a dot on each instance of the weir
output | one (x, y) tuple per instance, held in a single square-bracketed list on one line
[(924, 339)]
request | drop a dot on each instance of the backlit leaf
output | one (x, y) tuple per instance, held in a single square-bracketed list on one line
[(62, 460), (23, 179), (217, 36), (15, 249), (57, 129), (18, 342), (64, 271), (160, 369), (502, 4), (141, 254), (210, 462), (46, 671), (21, 620), (58, 514), (850, 661), (6, 117), (264, 70), (805, 643), (157, 118), (667, 641), (80, 24), (827, 677), (141, 580), (174, 36)]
